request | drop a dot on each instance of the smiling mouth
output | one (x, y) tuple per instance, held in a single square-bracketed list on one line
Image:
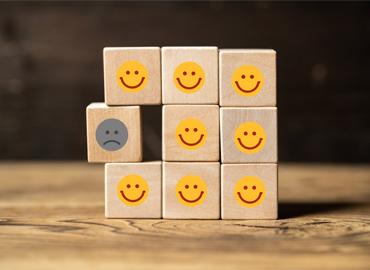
[(191, 144), (247, 147), (189, 87), (191, 201), (247, 91), (135, 200), (132, 87), (111, 141), (250, 202)]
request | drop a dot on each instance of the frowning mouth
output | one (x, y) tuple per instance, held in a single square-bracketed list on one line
[(132, 86), (134, 200), (250, 202), (247, 91), (189, 87), (191, 201), (191, 144), (111, 141), (248, 147)]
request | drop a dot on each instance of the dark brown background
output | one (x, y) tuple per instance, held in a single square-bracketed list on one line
[(51, 68)]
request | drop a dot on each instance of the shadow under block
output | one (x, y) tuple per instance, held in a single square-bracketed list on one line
[(248, 135), (191, 190), (249, 191), (190, 133), (133, 190), (247, 77), (132, 76), (190, 75), (113, 133)]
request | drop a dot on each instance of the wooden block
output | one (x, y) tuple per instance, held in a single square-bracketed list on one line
[(190, 75), (249, 135), (190, 133), (132, 76), (249, 191), (247, 77), (133, 190), (113, 133), (191, 190)]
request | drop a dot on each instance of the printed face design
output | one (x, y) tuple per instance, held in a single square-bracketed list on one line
[(132, 76), (132, 190), (250, 137), (111, 134), (247, 80), (191, 134), (249, 191), (191, 190), (189, 77)]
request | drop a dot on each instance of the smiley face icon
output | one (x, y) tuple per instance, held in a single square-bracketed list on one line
[(111, 134), (132, 190), (191, 133), (247, 81), (191, 190), (189, 77), (250, 137), (132, 76), (249, 191)]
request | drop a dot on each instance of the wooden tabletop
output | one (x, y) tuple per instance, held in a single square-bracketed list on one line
[(52, 217)]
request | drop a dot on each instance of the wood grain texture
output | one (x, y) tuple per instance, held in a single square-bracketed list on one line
[(209, 172), (150, 58), (207, 58), (231, 174), (231, 118), (232, 59), (172, 117), (52, 217), (130, 116), (151, 173)]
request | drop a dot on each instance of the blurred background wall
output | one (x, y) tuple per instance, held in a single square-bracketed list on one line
[(51, 69)]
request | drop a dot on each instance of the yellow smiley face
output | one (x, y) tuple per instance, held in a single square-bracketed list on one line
[(189, 77), (191, 134), (250, 137), (191, 190), (132, 190), (247, 81), (132, 76), (249, 191)]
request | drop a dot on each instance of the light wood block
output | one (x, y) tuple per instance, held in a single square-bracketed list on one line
[(132, 76), (191, 190), (249, 191), (247, 77), (190, 133), (113, 133), (190, 75), (249, 135), (133, 190)]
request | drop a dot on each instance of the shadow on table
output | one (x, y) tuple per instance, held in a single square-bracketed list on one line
[(294, 209)]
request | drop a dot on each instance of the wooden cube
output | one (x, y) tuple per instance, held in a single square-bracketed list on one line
[(113, 133), (249, 191), (190, 133), (190, 75), (249, 135), (132, 76), (191, 190), (133, 190), (247, 77)]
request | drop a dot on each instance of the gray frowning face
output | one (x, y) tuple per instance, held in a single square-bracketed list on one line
[(111, 134)]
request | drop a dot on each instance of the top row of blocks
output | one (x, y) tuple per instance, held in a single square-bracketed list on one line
[(132, 76)]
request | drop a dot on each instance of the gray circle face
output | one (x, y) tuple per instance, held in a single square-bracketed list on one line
[(111, 134)]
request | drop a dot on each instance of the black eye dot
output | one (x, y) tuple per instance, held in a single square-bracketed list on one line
[(193, 73), (128, 72), (245, 187), (251, 76), (184, 73), (186, 129), (107, 132), (254, 187), (186, 186), (195, 129), (254, 133), (136, 72), (137, 186), (128, 186), (243, 76), (195, 186), (116, 132), (245, 133)]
